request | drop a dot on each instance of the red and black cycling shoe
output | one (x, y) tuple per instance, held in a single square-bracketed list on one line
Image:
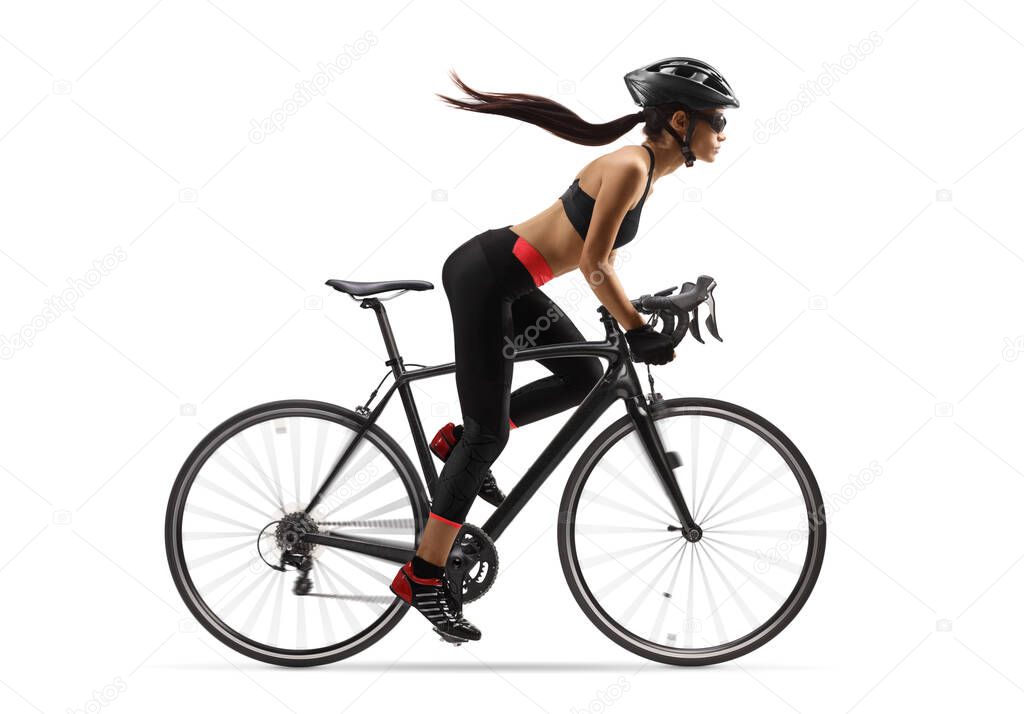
[(443, 443), (435, 601)]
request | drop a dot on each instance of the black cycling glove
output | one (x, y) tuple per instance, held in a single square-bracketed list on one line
[(650, 346)]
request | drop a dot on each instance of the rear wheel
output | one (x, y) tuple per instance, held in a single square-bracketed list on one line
[(238, 506), (693, 603)]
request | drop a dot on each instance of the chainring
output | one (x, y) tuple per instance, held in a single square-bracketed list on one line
[(473, 561)]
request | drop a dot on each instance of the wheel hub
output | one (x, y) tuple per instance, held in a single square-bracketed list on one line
[(291, 530), (690, 534)]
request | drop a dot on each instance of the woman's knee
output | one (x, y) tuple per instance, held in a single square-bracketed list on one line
[(485, 442)]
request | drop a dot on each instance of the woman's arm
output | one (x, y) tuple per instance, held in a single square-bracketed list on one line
[(620, 186)]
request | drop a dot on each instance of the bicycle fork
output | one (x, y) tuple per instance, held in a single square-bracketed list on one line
[(663, 462)]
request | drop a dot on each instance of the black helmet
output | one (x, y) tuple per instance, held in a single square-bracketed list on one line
[(680, 80)]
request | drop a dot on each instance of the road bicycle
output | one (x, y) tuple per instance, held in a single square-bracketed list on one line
[(691, 531)]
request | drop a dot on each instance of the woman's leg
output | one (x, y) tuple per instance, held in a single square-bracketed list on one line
[(537, 320), (481, 321)]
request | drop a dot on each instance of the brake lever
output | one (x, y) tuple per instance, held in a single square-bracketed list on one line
[(712, 320), (695, 326)]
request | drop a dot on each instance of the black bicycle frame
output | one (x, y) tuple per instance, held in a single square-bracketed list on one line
[(619, 381)]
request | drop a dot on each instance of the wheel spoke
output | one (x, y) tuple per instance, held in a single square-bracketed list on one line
[(365, 456), (648, 588), (734, 594), (376, 575), (595, 528), (224, 493), (200, 511), (198, 562), (318, 456), (208, 535), (212, 585), (261, 602), (351, 588), (764, 532), (688, 625), (604, 500), (773, 508), (274, 487), (750, 491), (621, 477), (659, 620), (741, 468), (346, 611), (322, 602), (715, 616), (296, 438), (784, 564), (276, 617), (267, 431), (618, 581), (229, 607), (221, 460), (714, 465), (607, 557), (380, 483), (775, 595), (398, 526), (694, 464)]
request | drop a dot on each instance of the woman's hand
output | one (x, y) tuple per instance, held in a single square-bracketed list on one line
[(650, 346)]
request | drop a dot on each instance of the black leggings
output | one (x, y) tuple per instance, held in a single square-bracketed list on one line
[(492, 283)]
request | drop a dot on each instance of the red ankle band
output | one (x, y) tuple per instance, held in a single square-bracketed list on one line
[(445, 520)]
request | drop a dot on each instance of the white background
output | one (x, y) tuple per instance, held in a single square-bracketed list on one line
[(869, 259)]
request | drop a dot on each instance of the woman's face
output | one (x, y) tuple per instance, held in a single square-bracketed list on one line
[(705, 141)]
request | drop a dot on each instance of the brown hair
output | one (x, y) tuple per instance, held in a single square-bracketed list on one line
[(557, 118)]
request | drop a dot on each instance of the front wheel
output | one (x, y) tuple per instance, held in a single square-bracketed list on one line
[(649, 589)]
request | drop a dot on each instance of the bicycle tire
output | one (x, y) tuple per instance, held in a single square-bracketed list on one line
[(731, 650), (174, 544)]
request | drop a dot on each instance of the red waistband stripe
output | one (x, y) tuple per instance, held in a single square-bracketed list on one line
[(533, 261)]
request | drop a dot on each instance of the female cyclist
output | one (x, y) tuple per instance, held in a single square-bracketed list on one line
[(492, 283)]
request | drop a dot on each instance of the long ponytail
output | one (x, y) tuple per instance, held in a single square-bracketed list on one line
[(545, 113)]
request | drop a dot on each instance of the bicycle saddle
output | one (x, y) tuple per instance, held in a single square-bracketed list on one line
[(362, 289)]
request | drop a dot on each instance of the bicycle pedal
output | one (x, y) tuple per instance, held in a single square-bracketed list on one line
[(451, 639)]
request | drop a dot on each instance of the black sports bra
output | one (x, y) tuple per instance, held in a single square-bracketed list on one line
[(579, 207)]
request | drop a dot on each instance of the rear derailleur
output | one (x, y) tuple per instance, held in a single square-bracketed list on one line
[(296, 552)]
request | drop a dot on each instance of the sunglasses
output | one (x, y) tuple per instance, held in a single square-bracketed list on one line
[(715, 121)]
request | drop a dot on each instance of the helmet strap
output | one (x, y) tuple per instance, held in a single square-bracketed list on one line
[(684, 144)]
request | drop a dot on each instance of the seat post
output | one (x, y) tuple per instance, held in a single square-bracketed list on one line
[(394, 359), (404, 391)]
